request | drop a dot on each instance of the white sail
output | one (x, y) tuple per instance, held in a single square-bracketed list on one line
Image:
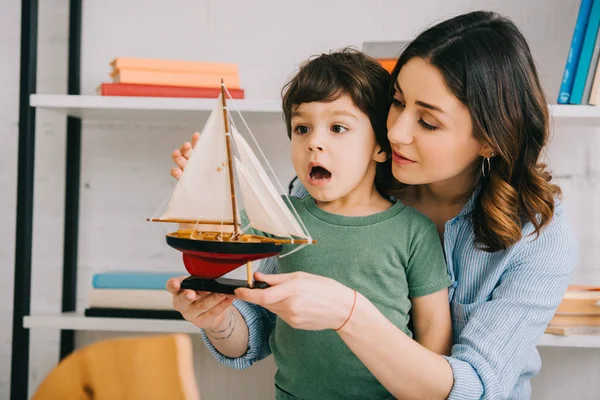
[(265, 208), (203, 191)]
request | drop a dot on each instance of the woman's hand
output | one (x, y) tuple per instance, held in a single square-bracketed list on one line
[(182, 155), (303, 301), (205, 310)]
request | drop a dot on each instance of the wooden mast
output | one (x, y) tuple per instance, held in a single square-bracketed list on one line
[(229, 161), (231, 183)]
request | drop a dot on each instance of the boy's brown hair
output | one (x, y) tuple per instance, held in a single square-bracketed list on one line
[(346, 72)]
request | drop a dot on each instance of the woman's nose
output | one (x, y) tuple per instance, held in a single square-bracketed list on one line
[(399, 128)]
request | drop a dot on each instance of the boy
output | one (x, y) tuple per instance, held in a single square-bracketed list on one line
[(335, 111)]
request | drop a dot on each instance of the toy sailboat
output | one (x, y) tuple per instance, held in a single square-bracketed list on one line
[(204, 203)]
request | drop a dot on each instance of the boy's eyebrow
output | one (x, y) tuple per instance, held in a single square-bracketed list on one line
[(346, 113), (418, 102), (334, 113)]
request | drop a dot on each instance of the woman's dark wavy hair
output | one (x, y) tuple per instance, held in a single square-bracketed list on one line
[(487, 64)]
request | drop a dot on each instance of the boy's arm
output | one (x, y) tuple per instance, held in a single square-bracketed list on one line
[(432, 325)]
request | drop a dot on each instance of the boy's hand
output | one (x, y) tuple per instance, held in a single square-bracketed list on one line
[(203, 309), (182, 154)]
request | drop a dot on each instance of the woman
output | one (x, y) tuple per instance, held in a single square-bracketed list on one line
[(467, 124)]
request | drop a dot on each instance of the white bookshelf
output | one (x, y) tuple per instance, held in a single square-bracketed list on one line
[(153, 108), (580, 341), (559, 111), (145, 108), (78, 322)]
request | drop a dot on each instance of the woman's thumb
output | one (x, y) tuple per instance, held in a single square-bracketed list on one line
[(272, 279)]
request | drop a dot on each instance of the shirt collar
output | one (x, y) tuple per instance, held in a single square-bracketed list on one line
[(470, 206)]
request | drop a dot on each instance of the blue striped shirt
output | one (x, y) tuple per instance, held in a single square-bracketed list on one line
[(501, 304)]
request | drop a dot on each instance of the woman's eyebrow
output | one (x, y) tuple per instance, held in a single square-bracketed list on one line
[(429, 106), (418, 102)]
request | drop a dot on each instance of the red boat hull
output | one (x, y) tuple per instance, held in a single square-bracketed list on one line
[(211, 259)]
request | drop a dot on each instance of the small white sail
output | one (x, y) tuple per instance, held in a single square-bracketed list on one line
[(203, 191), (265, 208)]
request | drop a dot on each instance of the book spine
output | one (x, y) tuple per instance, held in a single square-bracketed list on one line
[(131, 280), (136, 90), (130, 298), (586, 54), (176, 79), (574, 51), (174, 65), (587, 90)]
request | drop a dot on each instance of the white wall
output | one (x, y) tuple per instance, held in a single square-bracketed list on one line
[(125, 166)]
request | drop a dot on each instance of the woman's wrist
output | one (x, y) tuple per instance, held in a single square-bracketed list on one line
[(346, 309), (224, 329)]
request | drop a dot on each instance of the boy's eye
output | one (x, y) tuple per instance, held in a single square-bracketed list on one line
[(338, 129), (301, 129)]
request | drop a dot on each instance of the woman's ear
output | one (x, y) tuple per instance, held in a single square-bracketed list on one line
[(487, 152), (379, 155)]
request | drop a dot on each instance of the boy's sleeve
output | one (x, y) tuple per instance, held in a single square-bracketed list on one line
[(261, 323), (426, 271)]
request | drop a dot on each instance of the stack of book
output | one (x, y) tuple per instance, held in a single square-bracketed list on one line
[(387, 53), (132, 294), (147, 77), (581, 77), (578, 313)]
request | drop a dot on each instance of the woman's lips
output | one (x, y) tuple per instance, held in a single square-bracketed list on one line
[(399, 159)]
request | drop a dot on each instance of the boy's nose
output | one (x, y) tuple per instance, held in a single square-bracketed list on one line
[(313, 147)]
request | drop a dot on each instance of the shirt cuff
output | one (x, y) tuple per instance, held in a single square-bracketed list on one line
[(258, 344), (467, 383)]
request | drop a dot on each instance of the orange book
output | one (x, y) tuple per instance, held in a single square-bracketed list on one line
[(174, 65), (388, 64), (146, 77)]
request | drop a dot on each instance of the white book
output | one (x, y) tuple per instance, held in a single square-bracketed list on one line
[(138, 299)]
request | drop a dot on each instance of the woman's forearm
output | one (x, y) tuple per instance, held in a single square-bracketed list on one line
[(231, 338), (407, 369)]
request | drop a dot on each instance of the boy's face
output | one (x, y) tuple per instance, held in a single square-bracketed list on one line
[(333, 149)]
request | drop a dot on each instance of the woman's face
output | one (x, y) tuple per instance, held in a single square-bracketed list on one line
[(429, 129)]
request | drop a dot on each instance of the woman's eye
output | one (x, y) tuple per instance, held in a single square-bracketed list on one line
[(339, 129), (427, 126), (301, 129), (398, 103)]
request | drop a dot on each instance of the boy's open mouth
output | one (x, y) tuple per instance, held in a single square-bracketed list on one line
[(318, 174)]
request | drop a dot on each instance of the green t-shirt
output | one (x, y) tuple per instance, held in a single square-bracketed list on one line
[(388, 257)]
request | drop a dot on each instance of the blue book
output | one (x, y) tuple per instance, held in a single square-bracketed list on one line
[(574, 53), (586, 54), (132, 279)]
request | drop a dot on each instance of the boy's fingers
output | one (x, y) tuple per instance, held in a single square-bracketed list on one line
[(195, 138), (186, 150), (179, 159), (176, 172)]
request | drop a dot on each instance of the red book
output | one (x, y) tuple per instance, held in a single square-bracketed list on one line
[(130, 89)]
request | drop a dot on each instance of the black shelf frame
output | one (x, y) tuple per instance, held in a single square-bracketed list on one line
[(19, 379)]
